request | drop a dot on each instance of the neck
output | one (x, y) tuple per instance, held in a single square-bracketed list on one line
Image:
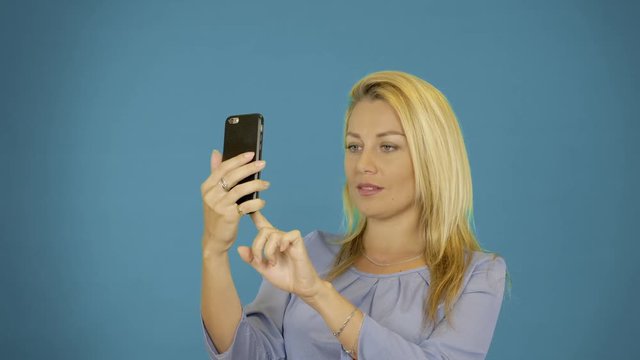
[(394, 238)]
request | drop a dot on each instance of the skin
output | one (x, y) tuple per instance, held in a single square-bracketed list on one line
[(220, 304), (378, 153), (286, 264)]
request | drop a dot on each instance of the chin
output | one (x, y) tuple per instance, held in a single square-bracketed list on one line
[(374, 212), (381, 210)]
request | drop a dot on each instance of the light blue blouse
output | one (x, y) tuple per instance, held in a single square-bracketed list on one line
[(279, 325)]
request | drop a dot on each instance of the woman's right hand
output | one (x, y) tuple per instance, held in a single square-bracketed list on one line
[(221, 214)]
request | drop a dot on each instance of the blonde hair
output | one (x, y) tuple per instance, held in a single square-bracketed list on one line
[(443, 188)]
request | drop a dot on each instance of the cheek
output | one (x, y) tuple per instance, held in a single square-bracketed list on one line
[(405, 179)]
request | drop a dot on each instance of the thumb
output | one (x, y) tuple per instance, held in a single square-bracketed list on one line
[(216, 159), (245, 254)]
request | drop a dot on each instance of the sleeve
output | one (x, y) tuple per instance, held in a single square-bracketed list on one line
[(474, 318), (259, 332)]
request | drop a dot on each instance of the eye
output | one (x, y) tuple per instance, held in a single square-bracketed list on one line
[(352, 147), (388, 147)]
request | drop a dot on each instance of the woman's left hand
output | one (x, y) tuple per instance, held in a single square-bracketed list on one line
[(285, 263)]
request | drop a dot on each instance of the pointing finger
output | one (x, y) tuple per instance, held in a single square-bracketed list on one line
[(260, 221)]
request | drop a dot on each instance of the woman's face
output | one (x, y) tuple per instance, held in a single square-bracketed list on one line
[(377, 161)]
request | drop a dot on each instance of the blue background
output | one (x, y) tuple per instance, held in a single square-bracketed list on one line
[(109, 112)]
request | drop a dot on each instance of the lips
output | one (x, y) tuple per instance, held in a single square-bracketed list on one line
[(368, 189)]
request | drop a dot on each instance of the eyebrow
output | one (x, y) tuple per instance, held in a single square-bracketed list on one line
[(378, 135)]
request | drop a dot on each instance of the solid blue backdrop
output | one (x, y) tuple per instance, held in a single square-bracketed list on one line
[(110, 110)]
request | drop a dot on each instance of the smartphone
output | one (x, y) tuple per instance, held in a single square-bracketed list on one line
[(243, 133)]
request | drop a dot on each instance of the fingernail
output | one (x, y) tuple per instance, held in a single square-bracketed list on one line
[(249, 155), (267, 184), (260, 163)]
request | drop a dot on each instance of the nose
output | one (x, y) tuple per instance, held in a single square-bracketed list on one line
[(366, 163)]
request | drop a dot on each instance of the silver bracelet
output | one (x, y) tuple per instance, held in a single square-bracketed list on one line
[(337, 333), (351, 352)]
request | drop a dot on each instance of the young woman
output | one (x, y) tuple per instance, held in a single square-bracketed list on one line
[(407, 281)]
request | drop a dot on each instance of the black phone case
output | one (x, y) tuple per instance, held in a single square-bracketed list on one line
[(243, 133)]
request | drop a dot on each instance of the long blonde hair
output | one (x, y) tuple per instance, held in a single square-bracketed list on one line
[(443, 188)]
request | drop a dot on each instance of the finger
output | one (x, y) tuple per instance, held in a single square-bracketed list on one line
[(244, 189), (223, 168), (247, 256), (216, 159), (290, 239), (231, 197), (259, 242), (271, 246), (260, 221), (234, 176), (207, 185), (250, 206), (233, 163)]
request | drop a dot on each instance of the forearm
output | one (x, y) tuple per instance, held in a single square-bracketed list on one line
[(220, 305), (335, 309)]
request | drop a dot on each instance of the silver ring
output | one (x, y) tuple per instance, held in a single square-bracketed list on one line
[(224, 184)]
